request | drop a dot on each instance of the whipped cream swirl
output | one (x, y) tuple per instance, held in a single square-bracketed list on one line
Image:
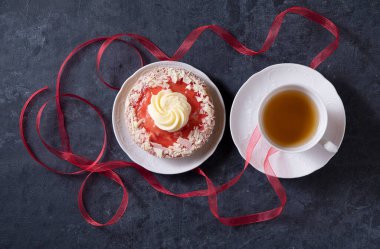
[(169, 110)]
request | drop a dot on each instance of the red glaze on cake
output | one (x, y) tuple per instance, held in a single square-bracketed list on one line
[(163, 143)]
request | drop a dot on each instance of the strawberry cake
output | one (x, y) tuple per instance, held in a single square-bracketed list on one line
[(169, 112)]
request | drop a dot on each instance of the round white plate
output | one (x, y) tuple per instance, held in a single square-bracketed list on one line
[(243, 118), (166, 165)]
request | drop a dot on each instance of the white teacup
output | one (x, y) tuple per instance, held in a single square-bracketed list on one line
[(317, 138)]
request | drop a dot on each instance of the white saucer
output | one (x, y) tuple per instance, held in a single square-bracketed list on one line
[(166, 165), (243, 118)]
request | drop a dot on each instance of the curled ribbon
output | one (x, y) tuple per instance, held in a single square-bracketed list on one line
[(106, 169)]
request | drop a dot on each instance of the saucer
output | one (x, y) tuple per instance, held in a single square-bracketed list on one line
[(166, 165), (244, 118)]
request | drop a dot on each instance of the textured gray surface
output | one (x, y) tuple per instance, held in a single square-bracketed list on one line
[(336, 207)]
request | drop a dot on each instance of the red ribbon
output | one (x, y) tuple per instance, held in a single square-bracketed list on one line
[(107, 168)]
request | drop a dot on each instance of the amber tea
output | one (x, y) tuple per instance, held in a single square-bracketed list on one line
[(290, 118)]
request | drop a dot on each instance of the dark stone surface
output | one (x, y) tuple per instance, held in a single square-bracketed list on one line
[(336, 207)]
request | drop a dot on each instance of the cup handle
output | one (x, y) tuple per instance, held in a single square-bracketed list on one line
[(329, 146)]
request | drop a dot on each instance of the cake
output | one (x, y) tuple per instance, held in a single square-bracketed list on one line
[(169, 112)]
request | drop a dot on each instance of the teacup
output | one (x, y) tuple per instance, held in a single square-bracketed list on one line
[(321, 120)]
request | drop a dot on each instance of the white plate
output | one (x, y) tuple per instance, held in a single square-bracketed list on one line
[(167, 165), (243, 118)]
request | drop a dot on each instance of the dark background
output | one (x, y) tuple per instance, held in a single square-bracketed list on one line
[(335, 207)]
